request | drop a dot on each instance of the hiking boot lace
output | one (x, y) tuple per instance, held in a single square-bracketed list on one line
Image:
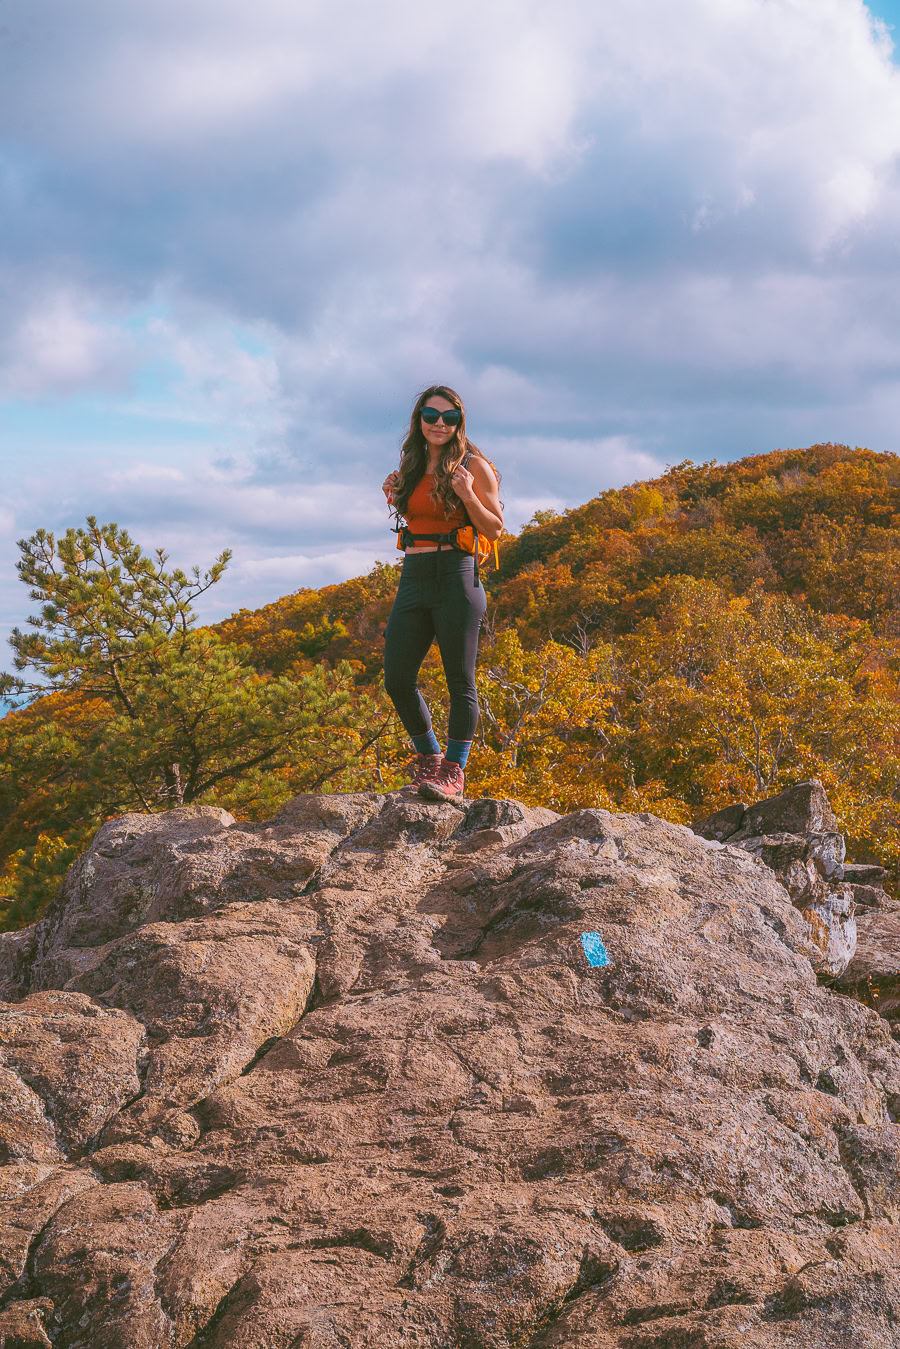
[(448, 779), (425, 766)]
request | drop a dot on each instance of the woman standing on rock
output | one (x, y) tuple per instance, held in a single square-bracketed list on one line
[(444, 483)]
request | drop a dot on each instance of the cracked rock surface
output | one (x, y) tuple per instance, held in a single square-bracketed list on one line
[(795, 833), (346, 1079)]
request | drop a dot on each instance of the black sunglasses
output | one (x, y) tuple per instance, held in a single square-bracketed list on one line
[(431, 416)]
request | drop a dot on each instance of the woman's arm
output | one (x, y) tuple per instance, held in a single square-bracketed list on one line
[(477, 489)]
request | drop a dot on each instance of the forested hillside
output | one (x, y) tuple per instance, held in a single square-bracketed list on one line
[(707, 636)]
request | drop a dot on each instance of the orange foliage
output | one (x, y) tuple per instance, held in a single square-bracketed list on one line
[(714, 633)]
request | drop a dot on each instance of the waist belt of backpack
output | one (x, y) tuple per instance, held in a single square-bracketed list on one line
[(407, 537)]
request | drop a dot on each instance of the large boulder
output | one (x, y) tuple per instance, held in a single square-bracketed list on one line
[(358, 1077), (873, 975), (800, 809)]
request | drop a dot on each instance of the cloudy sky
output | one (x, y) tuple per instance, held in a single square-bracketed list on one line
[(235, 240)]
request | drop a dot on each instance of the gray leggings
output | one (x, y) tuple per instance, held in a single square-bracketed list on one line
[(437, 597)]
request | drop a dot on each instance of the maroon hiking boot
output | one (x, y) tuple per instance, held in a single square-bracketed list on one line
[(447, 784), (422, 767)]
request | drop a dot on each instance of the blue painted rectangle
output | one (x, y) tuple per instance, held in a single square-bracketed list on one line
[(594, 950)]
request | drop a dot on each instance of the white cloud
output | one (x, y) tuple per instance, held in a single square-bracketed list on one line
[(229, 500), (58, 346), (220, 381), (627, 233)]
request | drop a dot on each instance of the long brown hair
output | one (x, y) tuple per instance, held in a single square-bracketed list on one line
[(414, 455)]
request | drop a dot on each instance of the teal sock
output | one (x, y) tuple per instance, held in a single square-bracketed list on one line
[(427, 743), (458, 751)]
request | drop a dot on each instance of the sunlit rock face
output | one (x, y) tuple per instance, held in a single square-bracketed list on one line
[(388, 1074)]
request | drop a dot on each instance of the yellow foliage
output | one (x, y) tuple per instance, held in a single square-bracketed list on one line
[(545, 723), (674, 646)]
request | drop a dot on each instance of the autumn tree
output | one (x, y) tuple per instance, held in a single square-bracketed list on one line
[(729, 698), (546, 729), (169, 711)]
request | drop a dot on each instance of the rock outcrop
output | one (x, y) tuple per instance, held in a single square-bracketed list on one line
[(795, 833), (873, 975), (347, 1078)]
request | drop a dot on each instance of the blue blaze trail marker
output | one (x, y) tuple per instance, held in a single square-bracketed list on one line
[(594, 950)]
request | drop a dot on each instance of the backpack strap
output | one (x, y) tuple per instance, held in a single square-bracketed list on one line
[(406, 536), (464, 464)]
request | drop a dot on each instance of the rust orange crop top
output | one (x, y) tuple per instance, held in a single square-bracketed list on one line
[(424, 517)]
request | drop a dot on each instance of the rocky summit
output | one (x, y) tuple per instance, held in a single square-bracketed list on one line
[(385, 1074)]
